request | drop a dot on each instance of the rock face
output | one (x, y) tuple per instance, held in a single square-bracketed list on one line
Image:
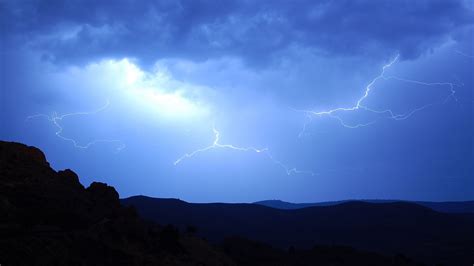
[(49, 218)]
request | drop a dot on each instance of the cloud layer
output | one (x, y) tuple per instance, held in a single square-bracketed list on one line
[(174, 69), (259, 32)]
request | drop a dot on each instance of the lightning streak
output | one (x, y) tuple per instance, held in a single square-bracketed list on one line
[(464, 54), (56, 119), (333, 113), (217, 145)]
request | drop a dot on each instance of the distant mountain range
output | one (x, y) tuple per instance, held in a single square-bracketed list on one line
[(385, 227), (48, 217), (448, 206)]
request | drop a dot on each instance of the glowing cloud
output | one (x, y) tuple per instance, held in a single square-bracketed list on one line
[(158, 91)]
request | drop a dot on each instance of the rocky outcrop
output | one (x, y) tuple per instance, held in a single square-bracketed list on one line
[(49, 218)]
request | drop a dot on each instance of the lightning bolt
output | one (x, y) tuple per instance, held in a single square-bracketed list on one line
[(333, 113), (308, 120), (463, 54), (56, 119), (217, 145)]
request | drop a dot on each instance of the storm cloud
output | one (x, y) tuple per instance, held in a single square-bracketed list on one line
[(258, 32), (265, 75)]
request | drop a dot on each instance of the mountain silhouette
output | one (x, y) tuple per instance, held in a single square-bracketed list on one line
[(48, 217), (389, 228), (448, 206)]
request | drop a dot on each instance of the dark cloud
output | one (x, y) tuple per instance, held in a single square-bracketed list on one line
[(77, 31)]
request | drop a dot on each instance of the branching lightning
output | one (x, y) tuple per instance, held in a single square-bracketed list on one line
[(56, 120), (333, 113), (217, 145)]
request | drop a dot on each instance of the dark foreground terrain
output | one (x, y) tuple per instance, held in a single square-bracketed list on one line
[(49, 218), (388, 228)]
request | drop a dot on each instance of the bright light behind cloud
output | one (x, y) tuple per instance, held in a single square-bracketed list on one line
[(169, 104), (156, 91), (160, 92)]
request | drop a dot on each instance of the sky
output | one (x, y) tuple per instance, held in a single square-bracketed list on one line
[(240, 101)]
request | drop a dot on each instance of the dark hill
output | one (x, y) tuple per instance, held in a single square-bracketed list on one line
[(391, 228), (49, 218), (448, 206)]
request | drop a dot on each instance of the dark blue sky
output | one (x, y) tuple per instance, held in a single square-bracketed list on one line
[(311, 100)]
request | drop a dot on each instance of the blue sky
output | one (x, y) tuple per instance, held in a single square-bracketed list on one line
[(296, 90)]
